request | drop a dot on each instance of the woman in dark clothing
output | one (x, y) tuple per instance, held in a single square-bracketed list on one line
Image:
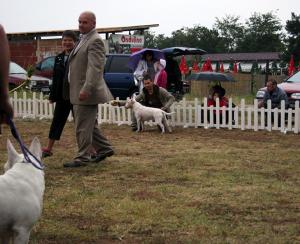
[(59, 90)]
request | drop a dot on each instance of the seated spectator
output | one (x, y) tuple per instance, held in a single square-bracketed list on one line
[(276, 95), (223, 102), (160, 78)]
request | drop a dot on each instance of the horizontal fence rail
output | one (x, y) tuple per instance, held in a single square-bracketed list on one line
[(187, 114)]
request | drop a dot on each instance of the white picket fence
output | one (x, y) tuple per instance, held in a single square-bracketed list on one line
[(187, 114)]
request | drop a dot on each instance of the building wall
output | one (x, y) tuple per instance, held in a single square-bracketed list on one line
[(23, 52), (29, 52)]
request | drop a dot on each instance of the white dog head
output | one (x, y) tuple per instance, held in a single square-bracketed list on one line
[(14, 157), (130, 101)]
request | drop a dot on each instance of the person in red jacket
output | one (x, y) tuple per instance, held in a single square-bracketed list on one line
[(223, 101), (161, 78)]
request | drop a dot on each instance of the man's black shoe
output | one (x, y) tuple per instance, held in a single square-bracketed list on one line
[(74, 164), (101, 156)]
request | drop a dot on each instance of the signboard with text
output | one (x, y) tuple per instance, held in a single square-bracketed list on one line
[(120, 43)]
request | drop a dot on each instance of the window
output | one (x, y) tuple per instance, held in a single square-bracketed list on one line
[(119, 64), (48, 63)]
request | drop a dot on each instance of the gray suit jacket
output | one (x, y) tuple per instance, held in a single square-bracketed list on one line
[(86, 66)]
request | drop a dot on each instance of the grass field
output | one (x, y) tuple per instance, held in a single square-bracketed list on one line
[(191, 186)]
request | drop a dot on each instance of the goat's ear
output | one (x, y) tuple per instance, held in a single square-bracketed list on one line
[(35, 148), (12, 156)]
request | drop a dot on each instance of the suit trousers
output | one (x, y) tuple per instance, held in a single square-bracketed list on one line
[(87, 133), (61, 112)]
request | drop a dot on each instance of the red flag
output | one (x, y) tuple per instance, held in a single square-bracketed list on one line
[(222, 68), (195, 66), (291, 68), (183, 66), (204, 67), (208, 65), (235, 68)]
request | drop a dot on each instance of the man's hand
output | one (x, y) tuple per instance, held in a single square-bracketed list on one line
[(114, 103), (83, 96)]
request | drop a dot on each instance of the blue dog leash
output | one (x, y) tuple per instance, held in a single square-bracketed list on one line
[(37, 164)]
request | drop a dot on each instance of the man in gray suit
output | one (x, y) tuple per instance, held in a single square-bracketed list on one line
[(87, 90)]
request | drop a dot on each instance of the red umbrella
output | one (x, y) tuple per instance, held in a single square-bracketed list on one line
[(222, 68), (183, 66), (204, 67), (207, 65), (235, 68), (291, 68), (195, 66)]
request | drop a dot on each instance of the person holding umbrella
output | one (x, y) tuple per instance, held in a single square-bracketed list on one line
[(147, 64)]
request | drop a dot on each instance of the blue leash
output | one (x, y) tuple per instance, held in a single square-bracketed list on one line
[(37, 164)]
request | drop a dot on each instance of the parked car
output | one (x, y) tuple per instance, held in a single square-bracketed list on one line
[(291, 86), (119, 78), (17, 76), (45, 67)]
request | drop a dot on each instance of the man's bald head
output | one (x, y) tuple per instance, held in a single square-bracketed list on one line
[(87, 22)]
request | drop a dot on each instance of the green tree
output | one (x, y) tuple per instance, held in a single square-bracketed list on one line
[(293, 38), (149, 39), (230, 30), (263, 33)]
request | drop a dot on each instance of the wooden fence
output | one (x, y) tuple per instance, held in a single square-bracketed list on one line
[(187, 114)]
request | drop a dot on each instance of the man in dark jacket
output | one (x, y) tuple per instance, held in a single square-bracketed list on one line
[(276, 95)]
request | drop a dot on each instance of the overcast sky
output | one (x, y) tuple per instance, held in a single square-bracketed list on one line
[(43, 15)]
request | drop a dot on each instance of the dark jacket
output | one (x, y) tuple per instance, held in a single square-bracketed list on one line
[(162, 98), (276, 97), (59, 70)]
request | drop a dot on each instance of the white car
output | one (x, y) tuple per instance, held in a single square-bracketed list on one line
[(18, 75)]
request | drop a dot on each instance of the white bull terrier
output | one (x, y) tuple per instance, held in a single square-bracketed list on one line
[(143, 113), (21, 195)]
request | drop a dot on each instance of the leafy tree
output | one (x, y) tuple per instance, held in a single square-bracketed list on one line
[(263, 33), (231, 31), (149, 39), (293, 38)]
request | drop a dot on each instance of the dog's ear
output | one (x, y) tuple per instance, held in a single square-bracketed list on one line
[(12, 156), (133, 96), (35, 148)]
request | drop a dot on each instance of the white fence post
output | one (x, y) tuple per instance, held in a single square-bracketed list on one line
[(188, 113)]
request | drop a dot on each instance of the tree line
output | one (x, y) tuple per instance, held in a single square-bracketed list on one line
[(260, 33)]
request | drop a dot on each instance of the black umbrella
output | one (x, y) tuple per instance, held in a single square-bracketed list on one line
[(178, 51), (211, 76)]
